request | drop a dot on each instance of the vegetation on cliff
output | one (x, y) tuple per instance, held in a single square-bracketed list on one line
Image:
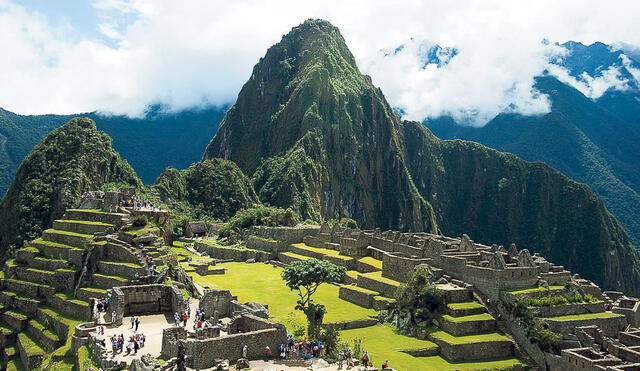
[(73, 158), (214, 189), (317, 136)]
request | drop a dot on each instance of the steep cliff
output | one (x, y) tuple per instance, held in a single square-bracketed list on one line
[(72, 159), (496, 197), (318, 136)]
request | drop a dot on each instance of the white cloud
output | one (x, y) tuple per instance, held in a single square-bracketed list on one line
[(185, 53), (590, 86)]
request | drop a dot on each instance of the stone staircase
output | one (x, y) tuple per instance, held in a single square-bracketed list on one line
[(38, 309)]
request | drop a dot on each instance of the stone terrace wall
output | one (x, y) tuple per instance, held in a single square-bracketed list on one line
[(399, 267), (146, 299), (284, 235), (203, 353), (231, 253)]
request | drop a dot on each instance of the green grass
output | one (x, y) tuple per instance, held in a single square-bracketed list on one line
[(15, 365), (30, 345), (468, 339), (121, 279), (297, 256), (41, 271), (30, 249), (353, 274), (41, 241), (40, 258), (466, 305), (317, 250), (263, 283), (95, 211), (28, 283), (65, 350), (371, 261), (475, 317), (11, 350), (69, 297), (94, 289), (383, 342), (131, 265), (85, 359), (378, 277), (58, 231), (139, 231), (362, 290), (388, 300), (534, 289), (84, 222), (17, 314), (39, 326), (7, 330), (575, 317)]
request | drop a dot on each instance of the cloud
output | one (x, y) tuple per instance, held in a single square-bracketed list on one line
[(198, 52), (593, 86)]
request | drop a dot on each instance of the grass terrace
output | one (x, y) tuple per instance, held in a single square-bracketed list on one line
[(139, 231), (575, 317), (534, 290), (465, 306), (475, 317), (371, 261), (263, 283), (468, 339), (378, 277), (376, 340), (84, 222), (58, 231)]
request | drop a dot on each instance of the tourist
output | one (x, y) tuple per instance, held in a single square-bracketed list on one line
[(365, 359), (340, 359), (99, 306), (385, 365), (184, 319), (142, 340), (267, 353), (114, 345), (176, 319), (137, 324), (136, 346), (281, 351), (350, 362), (107, 300), (133, 321), (120, 343), (245, 349)]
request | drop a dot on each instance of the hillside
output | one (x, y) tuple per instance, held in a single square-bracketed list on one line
[(73, 158), (316, 135), (579, 137), (149, 144)]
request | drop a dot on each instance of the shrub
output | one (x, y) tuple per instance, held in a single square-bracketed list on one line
[(343, 222), (139, 221), (419, 297), (546, 339), (259, 215)]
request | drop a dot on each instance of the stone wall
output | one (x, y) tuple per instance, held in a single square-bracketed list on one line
[(130, 300), (398, 267), (232, 253), (285, 235), (265, 244), (203, 354), (217, 300), (609, 326)]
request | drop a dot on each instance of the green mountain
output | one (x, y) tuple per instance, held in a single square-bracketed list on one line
[(72, 159), (149, 144), (215, 188), (314, 134), (583, 139)]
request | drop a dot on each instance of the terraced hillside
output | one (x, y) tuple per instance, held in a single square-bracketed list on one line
[(45, 292)]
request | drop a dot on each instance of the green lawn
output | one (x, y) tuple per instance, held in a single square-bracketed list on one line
[(574, 317), (378, 277), (382, 342), (534, 289), (466, 305), (318, 250), (262, 283), (83, 222), (475, 317), (371, 261), (466, 339)]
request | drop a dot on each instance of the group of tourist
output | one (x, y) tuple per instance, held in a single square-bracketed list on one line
[(93, 195), (134, 343), (346, 355), (103, 304), (138, 203), (307, 350)]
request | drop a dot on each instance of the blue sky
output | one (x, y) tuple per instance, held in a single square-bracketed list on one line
[(68, 56)]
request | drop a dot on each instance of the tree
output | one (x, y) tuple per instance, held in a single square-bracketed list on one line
[(419, 298), (305, 277)]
